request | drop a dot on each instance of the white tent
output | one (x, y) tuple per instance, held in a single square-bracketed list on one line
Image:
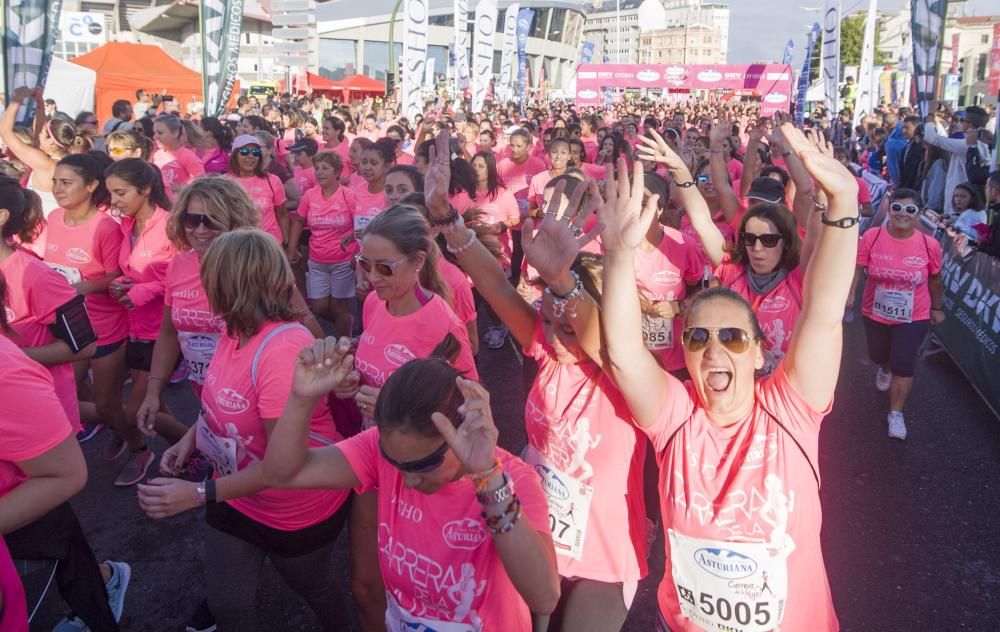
[(71, 87)]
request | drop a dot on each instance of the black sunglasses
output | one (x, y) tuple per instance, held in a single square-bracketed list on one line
[(192, 220), (246, 151), (733, 339), (770, 240), (911, 209), (427, 464)]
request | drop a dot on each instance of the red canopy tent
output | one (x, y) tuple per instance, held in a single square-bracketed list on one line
[(360, 87)]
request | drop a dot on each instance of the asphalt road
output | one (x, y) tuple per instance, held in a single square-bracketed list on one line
[(909, 534)]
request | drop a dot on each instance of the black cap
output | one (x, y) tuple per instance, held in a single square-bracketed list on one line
[(307, 145), (765, 189)]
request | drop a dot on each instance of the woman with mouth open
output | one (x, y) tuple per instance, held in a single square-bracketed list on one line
[(739, 489)]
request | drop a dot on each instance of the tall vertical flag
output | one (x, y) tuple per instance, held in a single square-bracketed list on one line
[(831, 55), (787, 57), (524, 19), (866, 86), (927, 19), (221, 26), (800, 97), (461, 44), (482, 51), (586, 52), (29, 37), (414, 56), (509, 47)]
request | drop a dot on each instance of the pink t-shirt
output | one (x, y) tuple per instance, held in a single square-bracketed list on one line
[(233, 409), (329, 219), (368, 205), (355, 180), (389, 342), (439, 564), (14, 614), (304, 178), (179, 166), (403, 158), (461, 290), (198, 329), (735, 170), (145, 262), (663, 274), (87, 252), (724, 227), (777, 311), (267, 193), (536, 188), (217, 161), (32, 419), (864, 193), (34, 293), (343, 149), (594, 172), (515, 177), (584, 446), (501, 209), (461, 201), (898, 270), (741, 513)]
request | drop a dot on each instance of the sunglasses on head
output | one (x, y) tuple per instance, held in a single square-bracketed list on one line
[(383, 268), (421, 466), (733, 339), (246, 151), (191, 221), (704, 178), (911, 209), (769, 240)]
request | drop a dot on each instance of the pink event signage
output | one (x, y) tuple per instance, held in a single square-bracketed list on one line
[(772, 82)]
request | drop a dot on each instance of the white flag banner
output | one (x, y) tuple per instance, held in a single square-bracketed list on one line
[(831, 55), (429, 76), (866, 77), (414, 56), (509, 45), (461, 44), (482, 57)]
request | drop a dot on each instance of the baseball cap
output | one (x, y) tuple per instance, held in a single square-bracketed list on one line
[(308, 145), (245, 139), (766, 189)]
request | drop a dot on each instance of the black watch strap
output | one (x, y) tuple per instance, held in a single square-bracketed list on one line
[(843, 222)]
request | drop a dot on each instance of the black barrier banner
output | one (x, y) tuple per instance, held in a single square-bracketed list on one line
[(971, 331)]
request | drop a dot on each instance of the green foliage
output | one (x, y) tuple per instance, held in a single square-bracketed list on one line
[(852, 36)]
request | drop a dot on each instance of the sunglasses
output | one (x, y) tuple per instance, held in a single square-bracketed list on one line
[(733, 339), (383, 268), (118, 151), (704, 178), (421, 466), (191, 221), (911, 209), (246, 151), (769, 240)]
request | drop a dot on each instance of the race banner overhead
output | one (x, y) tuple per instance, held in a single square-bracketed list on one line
[(414, 57), (29, 37), (221, 24), (461, 44), (927, 26), (482, 51), (509, 45), (831, 55), (789, 49)]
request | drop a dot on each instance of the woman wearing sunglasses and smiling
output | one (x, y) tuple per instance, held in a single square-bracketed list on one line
[(902, 298), (246, 166), (723, 438), (462, 525)]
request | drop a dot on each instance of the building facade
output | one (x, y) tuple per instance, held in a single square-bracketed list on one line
[(695, 44)]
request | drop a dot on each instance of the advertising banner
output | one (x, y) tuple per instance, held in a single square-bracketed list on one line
[(586, 52), (29, 37), (831, 56), (509, 46), (927, 27), (524, 18), (482, 51), (789, 49), (461, 44), (221, 25), (800, 98), (994, 86), (865, 75), (414, 57)]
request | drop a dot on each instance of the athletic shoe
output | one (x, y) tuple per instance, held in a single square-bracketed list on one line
[(135, 467), (202, 620), (197, 469), (121, 574), (180, 373), (897, 425), (88, 432), (115, 448), (73, 624), (495, 337), (883, 380)]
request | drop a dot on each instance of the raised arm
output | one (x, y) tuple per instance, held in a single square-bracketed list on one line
[(751, 160), (813, 359), (934, 135), (35, 158), (720, 174)]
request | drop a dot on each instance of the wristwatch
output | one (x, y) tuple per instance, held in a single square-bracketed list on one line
[(200, 491), (498, 496), (843, 222)]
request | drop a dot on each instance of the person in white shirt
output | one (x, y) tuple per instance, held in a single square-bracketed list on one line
[(956, 148)]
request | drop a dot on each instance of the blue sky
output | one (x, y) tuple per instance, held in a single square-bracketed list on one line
[(758, 29)]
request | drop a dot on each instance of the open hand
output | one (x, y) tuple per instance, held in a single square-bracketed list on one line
[(474, 442), (817, 157), (624, 218), (559, 238), (322, 366)]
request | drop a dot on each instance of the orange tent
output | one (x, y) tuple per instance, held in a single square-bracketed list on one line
[(359, 87), (123, 68)]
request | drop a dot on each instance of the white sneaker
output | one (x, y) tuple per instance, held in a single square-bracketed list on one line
[(883, 380), (897, 425)]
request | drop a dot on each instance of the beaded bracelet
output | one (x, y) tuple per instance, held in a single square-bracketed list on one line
[(500, 524), (466, 246), (560, 303), (481, 478), (453, 216)]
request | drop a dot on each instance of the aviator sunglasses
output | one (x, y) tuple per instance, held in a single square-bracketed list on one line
[(383, 268), (733, 339)]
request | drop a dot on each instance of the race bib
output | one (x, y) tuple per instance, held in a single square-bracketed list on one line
[(894, 305), (657, 332), (71, 274), (397, 618), (729, 586), (220, 451), (569, 504), (198, 349)]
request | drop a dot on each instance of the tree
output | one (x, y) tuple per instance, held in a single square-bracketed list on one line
[(852, 37)]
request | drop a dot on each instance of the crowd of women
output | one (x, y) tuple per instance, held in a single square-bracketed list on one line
[(678, 301)]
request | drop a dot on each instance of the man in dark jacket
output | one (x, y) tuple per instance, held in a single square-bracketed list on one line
[(912, 157)]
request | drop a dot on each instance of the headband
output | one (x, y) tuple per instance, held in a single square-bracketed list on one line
[(48, 126)]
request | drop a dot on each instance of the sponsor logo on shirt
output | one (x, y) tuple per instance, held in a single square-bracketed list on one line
[(879, 256), (725, 563), (466, 533), (551, 483), (398, 354), (709, 76), (915, 262), (774, 304), (666, 277), (231, 402), (78, 255)]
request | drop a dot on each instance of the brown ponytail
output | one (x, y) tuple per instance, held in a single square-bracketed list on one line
[(26, 219), (448, 349)]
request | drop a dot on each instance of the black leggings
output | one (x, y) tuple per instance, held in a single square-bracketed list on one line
[(58, 536), (896, 345)]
